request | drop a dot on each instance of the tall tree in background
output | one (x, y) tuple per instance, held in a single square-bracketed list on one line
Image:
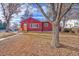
[(8, 10), (27, 12), (59, 10)]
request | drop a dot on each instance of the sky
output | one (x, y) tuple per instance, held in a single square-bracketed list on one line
[(35, 13), (38, 15)]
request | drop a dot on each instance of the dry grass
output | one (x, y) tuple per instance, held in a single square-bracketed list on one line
[(35, 44), (6, 34)]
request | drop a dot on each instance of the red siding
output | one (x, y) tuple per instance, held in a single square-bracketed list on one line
[(31, 20), (49, 28)]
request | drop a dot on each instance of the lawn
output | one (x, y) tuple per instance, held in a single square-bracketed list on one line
[(6, 34), (38, 44)]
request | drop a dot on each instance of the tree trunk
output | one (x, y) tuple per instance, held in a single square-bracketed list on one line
[(7, 27), (55, 35)]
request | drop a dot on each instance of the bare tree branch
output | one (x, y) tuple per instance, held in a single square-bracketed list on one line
[(59, 12), (65, 12), (4, 12), (54, 11), (40, 8)]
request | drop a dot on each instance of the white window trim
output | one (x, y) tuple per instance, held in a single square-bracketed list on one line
[(34, 25), (46, 24)]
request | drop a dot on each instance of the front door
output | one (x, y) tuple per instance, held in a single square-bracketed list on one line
[(25, 27)]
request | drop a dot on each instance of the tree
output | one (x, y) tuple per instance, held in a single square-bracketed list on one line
[(58, 10), (8, 10), (27, 12), (72, 15)]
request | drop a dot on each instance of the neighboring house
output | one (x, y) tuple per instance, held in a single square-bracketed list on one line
[(32, 24), (2, 25), (71, 23), (71, 18)]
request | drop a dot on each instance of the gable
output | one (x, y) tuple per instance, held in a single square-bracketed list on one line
[(30, 20)]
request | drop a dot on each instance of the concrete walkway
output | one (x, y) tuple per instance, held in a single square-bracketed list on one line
[(1, 39)]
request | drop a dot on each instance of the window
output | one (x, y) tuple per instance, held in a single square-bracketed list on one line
[(34, 25), (46, 24), (76, 24)]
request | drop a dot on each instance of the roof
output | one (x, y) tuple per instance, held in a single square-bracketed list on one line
[(44, 20), (35, 19)]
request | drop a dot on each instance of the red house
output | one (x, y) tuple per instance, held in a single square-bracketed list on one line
[(32, 24)]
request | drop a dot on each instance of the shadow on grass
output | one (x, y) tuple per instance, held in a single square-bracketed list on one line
[(73, 48)]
